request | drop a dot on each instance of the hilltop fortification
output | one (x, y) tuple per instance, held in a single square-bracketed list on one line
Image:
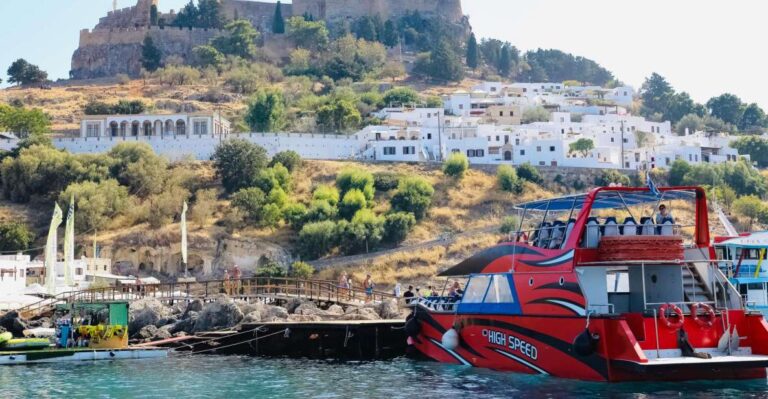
[(113, 46)]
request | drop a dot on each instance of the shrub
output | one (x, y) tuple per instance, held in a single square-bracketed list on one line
[(509, 224), (317, 239), (354, 200), (238, 163), (362, 234), (271, 215), (290, 159), (400, 96), (385, 181), (278, 197), (608, 177), (750, 207), (97, 203), (319, 211), (14, 236), (456, 165), (326, 193), (270, 269), (202, 209), (397, 226), (528, 172), (295, 214), (164, 207), (508, 180), (414, 195), (302, 270), (250, 201), (354, 178)]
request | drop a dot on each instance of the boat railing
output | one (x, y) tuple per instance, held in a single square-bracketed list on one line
[(437, 304), (554, 237)]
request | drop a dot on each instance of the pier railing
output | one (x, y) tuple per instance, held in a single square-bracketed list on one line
[(265, 289)]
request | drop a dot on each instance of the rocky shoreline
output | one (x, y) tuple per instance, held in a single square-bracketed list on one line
[(151, 320)]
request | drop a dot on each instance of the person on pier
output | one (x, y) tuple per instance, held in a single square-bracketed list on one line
[(368, 286)]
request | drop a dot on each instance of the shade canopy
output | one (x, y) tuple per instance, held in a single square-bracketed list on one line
[(752, 241), (609, 198)]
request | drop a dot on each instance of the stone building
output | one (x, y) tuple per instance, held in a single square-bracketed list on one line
[(114, 45)]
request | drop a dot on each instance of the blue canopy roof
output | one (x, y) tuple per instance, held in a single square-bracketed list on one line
[(607, 199)]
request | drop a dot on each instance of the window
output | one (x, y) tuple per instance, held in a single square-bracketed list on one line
[(409, 150), (551, 148), (522, 152), (200, 127), (612, 140), (538, 148), (499, 291), (429, 136), (542, 163), (517, 141), (461, 106), (690, 157), (92, 129), (476, 289), (501, 113), (470, 153), (626, 140), (455, 150), (479, 153), (389, 150)]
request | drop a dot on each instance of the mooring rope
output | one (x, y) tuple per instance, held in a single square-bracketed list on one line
[(259, 328), (237, 343)]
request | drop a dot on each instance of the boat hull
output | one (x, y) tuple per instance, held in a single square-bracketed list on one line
[(545, 345), (75, 355)]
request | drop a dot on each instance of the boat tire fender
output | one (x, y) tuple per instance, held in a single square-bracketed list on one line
[(412, 327), (676, 311), (707, 322), (585, 343)]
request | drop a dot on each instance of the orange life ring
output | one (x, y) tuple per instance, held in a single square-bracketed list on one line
[(710, 321), (675, 310)]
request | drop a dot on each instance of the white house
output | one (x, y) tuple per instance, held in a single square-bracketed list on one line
[(198, 124)]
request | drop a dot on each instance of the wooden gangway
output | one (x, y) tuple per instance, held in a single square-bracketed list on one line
[(254, 289)]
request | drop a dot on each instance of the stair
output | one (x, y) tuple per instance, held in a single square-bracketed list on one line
[(695, 289)]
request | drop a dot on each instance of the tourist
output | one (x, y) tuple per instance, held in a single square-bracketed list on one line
[(237, 275), (408, 295), (428, 292), (663, 215), (418, 292), (227, 283), (349, 287), (456, 292), (397, 290), (368, 286)]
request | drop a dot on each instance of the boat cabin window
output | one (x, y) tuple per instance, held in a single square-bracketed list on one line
[(476, 289), (499, 291), (488, 289)]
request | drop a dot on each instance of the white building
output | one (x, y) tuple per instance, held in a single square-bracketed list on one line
[(198, 124)]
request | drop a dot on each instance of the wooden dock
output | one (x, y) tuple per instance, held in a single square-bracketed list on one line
[(337, 340)]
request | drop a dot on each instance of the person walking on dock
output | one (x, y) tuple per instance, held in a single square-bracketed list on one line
[(227, 283), (368, 285), (408, 295), (237, 276), (343, 284)]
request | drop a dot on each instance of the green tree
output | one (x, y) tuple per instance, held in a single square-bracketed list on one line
[(529, 172), (397, 225), (320, 211), (535, 114), (266, 111), (278, 22), (295, 214), (691, 122), (656, 94), (188, 16), (209, 14), (726, 107), (207, 56), (137, 166), (362, 234), (725, 195), (240, 39), (251, 201), (270, 269), (414, 195), (386, 181), (238, 163), (400, 96), (203, 207), (289, 158), (316, 239), (582, 146), (353, 201), (96, 203), (151, 56), (608, 177), (472, 52), (311, 35), (752, 119), (505, 61), (14, 236), (508, 180), (302, 270), (24, 122), (390, 37), (356, 178), (22, 72), (756, 147), (677, 172), (326, 193), (750, 207), (153, 15), (441, 64), (456, 165), (365, 29)]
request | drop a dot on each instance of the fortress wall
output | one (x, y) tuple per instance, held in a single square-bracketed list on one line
[(259, 13)]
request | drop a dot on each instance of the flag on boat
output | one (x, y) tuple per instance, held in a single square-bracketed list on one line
[(50, 252), (184, 234), (69, 244), (651, 185)]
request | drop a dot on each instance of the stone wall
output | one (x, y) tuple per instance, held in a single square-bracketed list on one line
[(136, 16), (260, 14), (333, 10)]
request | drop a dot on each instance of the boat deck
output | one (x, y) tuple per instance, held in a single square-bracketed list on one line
[(78, 354)]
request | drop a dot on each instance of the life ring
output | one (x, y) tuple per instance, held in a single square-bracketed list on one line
[(675, 310), (709, 321)]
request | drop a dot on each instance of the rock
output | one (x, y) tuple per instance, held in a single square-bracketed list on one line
[(389, 309), (248, 308), (364, 313), (187, 324), (2, 330), (195, 306), (166, 321), (180, 334), (147, 332), (13, 324), (43, 322), (253, 317), (274, 313), (144, 312), (292, 304), (162, 333), (308, 309), (303, 318), (223, 313), (335, 310)]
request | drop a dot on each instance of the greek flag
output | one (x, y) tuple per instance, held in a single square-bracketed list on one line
[(652, 186)]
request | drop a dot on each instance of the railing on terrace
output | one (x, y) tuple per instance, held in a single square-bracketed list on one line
[(255, 288)]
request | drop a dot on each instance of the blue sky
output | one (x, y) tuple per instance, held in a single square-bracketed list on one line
[(705, 47)]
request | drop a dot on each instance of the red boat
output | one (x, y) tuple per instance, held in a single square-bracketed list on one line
[(589, 288)]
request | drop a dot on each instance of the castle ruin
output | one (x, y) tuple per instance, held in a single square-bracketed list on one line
[(114, 45)]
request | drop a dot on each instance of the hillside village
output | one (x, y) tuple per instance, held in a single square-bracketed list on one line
[(155, 96)]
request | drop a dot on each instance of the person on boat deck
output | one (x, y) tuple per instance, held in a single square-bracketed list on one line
[(408, 295), (368, 285), (427, 292), (397, 290), (419, 294), (664, 214), (455, 292)]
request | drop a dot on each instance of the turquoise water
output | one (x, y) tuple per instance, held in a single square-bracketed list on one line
[(243, 377)]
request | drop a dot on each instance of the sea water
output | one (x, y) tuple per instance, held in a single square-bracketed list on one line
[(182, 376)]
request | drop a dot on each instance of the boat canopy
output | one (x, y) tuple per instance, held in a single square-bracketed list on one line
[(609, 198), (752, 241)]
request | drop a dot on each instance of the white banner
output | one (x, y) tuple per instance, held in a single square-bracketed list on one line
[(69, 245), (50, 251)]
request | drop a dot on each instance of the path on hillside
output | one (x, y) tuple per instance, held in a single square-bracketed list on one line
[(445, 240)]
